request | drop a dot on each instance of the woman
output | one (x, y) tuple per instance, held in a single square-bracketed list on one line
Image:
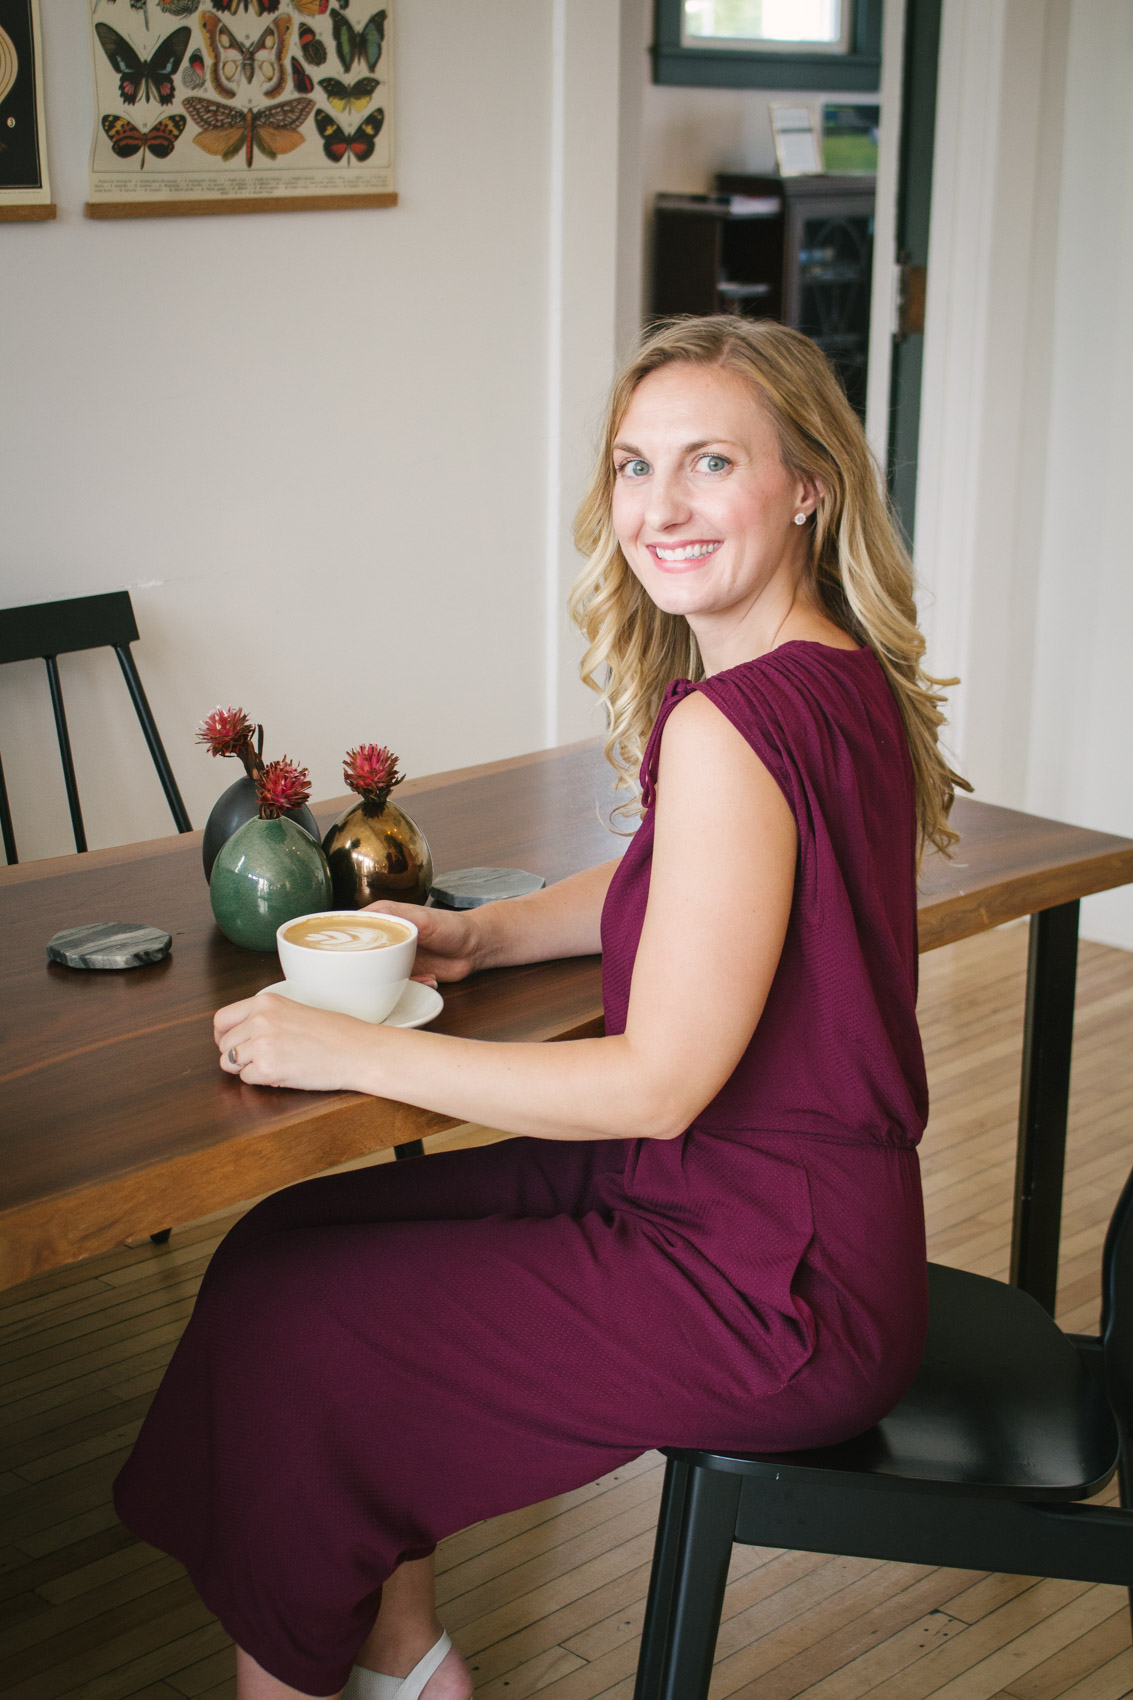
[(713, 1234)]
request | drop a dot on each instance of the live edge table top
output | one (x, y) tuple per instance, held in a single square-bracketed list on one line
[(115, 1120)]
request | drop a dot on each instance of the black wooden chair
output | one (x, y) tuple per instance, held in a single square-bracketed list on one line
[(51, 629), (1006, 1425)]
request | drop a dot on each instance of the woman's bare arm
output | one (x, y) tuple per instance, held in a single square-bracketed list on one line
[(709, 948)]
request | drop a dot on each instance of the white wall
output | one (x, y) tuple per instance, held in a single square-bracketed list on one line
[(332, 455), (1026, 428), (1082, 703), (691, 133)]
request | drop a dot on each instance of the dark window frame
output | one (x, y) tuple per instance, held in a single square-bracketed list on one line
[(855, 72)]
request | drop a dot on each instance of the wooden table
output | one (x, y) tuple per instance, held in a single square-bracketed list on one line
[(116, 1121)]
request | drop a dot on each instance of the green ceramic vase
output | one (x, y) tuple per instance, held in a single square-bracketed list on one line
[(268, 872)]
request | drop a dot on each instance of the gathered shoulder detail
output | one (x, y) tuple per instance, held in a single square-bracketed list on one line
[(677, 691), (795, 699)]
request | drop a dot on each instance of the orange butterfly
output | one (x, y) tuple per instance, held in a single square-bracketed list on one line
[(127, 140), (271, 129)]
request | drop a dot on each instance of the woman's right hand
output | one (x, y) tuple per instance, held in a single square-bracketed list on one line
[(446, 939), (561, 920)]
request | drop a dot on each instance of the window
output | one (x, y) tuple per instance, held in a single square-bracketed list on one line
[(778, 26), (770, 44)]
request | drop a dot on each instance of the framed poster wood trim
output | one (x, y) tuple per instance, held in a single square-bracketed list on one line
[(34, 213), (265, 203)]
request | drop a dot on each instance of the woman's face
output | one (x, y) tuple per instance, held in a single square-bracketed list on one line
[(703, 506)]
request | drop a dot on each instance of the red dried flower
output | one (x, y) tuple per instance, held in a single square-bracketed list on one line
[(371, 770), (229, 732), (281, 786)]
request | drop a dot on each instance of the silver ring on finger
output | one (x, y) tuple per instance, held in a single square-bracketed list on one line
[(232, 1058)]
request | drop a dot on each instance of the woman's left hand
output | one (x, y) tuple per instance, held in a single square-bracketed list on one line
[(271, 1041)]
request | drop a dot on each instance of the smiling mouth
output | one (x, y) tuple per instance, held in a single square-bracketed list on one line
[(682, 552)]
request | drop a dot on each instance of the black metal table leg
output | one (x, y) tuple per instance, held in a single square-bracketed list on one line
[(1047, 1041), (412, 1148)]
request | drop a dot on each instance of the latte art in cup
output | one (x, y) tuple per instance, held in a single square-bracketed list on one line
[(361, 932), (348, 960)]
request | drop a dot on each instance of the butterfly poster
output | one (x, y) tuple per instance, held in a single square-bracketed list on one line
[(25, 192), (239, 105)]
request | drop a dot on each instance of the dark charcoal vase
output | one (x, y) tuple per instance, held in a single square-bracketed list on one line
[(235, 806), (377, 852)]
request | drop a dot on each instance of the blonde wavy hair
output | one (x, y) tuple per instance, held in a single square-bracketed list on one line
[(858, 570)]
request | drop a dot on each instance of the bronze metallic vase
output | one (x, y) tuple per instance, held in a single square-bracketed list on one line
[(376, 851)]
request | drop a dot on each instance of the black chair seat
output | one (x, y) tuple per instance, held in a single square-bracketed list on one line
[(1002, 1405), (982, 1466)]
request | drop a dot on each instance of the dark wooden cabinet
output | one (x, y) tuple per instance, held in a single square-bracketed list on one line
[(798, 249)]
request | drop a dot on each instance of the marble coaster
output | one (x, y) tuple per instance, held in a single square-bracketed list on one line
[(109, 944), (467, 888)]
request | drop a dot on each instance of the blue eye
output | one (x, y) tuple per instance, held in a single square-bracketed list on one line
[(634, 468), (715, 463)]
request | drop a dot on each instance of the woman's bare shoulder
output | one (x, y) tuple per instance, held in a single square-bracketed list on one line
[(703, 749)]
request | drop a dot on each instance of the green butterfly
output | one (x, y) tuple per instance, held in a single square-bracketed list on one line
[(351, 44)]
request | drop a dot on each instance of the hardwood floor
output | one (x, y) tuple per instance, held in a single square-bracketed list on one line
[(549, 1600)]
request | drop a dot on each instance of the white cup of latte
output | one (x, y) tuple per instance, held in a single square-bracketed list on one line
[(348, 960)]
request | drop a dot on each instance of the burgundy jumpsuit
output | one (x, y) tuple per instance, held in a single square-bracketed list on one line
[(379, 1358)]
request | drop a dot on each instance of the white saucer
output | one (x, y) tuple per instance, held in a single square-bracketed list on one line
[(417, 1004)]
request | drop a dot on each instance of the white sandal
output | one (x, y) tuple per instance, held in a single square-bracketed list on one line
[(372, 1685)]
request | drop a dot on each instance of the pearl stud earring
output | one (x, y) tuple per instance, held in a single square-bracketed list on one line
[(800, 519)]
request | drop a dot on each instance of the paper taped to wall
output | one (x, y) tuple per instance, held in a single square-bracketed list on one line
[(797, 146)]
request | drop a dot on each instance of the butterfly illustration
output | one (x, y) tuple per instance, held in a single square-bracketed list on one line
[(338, 146), (271, 129), (138, 76), (313, 8), (127, 140), (365, 43), (356, 96), (301, 81), (231, 59), (259, 7), (313, 50), (193, 75), (179, 8)]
